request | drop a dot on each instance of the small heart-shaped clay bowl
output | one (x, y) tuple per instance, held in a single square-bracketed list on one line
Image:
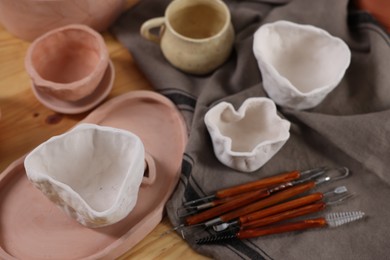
[(246, 139)]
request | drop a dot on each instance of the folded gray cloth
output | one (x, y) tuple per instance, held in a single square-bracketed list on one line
[(349, 128)]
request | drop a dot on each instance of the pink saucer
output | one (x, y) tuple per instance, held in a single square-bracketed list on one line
[(82, 105)]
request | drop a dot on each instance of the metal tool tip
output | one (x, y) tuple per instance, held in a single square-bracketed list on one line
[(340, 189)]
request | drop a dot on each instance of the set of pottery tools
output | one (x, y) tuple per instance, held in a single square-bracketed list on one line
[(248, 210)]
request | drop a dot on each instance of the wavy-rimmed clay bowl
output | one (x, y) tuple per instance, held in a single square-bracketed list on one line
[(246, 139), (300, 64), (68, 62), (32, 227), (29, 19), (93, 173)]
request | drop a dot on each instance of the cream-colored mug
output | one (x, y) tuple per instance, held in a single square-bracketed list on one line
[(196, 36)]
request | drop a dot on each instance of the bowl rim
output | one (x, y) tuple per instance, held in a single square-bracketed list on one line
[(100, 67), (306, 27)]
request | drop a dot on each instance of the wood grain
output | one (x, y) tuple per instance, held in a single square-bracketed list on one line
[(25, 123)]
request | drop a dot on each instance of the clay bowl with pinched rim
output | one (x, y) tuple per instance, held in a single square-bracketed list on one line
[(93, 173), (68, 62), (247, 138), (300, 64)]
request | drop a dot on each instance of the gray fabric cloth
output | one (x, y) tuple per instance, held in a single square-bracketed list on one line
[(349, 128)]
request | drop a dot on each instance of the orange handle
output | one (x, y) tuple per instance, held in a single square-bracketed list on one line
[(227, 199), (260, 184), (272, 200), (230, 205), (282, 207), (285, 215), (288, 227)]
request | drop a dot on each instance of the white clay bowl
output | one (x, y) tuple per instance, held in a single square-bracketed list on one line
[(93, 173), (246, 139), (300, 64)]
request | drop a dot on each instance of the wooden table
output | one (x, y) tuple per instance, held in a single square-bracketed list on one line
[(25, 123)]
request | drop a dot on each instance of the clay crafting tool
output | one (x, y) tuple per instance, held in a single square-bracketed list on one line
[(244, 200), (232, 196), (330, 220), (259, 184), (259, 217), (269, 201), (292, 190)]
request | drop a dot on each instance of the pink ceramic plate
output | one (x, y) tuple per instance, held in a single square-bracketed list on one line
[(82, 105), (31, 227)]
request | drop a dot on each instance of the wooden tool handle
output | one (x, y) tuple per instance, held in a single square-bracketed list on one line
[(260, 184), (272, 200), (288, 227), (304, 210), (228, 199), (243, 200), (281, 207)]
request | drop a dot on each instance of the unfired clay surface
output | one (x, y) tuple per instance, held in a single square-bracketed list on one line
[(68, 62), (300, 64), (246, 139), (32, 227), (91, 172)]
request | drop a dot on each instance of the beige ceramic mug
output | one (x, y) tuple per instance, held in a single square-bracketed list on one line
[(196, 36)]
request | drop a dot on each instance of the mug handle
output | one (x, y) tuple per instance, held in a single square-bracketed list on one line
[(149, 25)]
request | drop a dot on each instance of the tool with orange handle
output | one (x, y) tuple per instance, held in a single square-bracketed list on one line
[(256, 218), (256, 201), (331, 220), (292, 190), (243, 199), (259, 184)]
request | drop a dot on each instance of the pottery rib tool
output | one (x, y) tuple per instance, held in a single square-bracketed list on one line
[(330, 220), (259, 218)]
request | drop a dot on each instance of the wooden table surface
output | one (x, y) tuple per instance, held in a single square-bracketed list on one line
[(25, 123)]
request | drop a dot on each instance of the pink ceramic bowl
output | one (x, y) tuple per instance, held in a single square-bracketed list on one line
[(68, 62), (28, 19)]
